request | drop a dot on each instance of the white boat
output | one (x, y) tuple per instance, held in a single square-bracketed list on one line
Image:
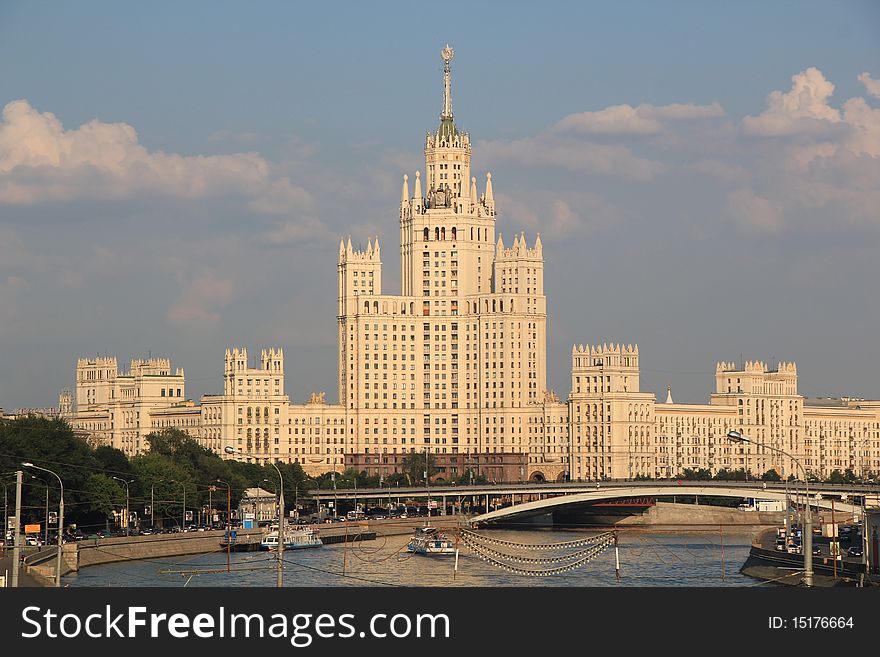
[(427, 540), (295, 539)]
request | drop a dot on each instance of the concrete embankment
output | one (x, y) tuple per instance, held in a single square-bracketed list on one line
[(667, 515), (40, 566), (400, 526), (92, 552)]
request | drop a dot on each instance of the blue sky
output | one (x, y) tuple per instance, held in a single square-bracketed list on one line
[(719, 161)]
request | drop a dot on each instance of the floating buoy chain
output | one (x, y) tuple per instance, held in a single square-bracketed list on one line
[(591, 551), (600, 538)]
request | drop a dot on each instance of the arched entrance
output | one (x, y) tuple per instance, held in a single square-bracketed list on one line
[(537, 478)]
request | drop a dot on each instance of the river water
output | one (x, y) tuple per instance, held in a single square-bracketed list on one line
[(647, 558)]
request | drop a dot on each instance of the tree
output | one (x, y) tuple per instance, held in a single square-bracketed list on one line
[(698, 474), (167, 478), (726, 474), (104, 496), (113, 461), (413, 466), (836, 478), (771, 475), (50, 444), (470, 477)]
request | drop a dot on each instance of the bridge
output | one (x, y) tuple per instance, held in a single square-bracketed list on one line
[(538, 499)]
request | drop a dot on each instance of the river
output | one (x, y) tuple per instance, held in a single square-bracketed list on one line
[(647, 558)]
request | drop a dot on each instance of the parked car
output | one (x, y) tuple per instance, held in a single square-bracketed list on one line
[(855, 551)]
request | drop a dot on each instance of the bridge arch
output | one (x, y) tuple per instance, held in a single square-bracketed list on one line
[(608, 491)]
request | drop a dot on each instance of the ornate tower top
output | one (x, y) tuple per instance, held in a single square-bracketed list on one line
[(447, 132), (447, 54)]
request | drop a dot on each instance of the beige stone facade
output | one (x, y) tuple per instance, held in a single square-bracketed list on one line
[(456, 365), (115, 409), (619, 432)]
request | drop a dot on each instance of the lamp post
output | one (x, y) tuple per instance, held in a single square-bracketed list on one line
[(46, 530), (127, 514), (5, 510), (183, 511), (228, 524), (28, 464), (738, 437), (46, 516), (427, 484), (229, 449)]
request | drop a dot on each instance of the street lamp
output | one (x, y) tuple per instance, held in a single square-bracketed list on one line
[(228, 524), (28, 464), (229, 449), (46, 531), (183, 511), (738, 437), (5, 508), (127, 514)]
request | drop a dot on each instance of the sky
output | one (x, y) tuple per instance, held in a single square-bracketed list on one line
[(175, 178)]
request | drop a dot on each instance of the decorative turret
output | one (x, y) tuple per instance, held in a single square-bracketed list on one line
[(489, 200), (65, 404), (620, 362), (418, 199), (272, 360)]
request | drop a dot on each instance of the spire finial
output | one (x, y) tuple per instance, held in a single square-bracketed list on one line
[(447, 53)]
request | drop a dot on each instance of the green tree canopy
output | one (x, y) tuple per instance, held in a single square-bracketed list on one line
[(771, 475)]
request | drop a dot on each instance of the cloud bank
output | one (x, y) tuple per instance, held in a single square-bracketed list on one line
[(40, 161)]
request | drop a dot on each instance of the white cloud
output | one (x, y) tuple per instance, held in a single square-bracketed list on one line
[(871, 86), (641, 120), (715, 168), (833, 165), (559, 218), (280, 197), (41, 161), (561, 144), (196, 306), (583, 157), (803, 109), (864, 124), (295, 232), (754, 213)]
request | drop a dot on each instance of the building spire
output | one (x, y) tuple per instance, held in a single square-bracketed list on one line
[(447, 53)]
